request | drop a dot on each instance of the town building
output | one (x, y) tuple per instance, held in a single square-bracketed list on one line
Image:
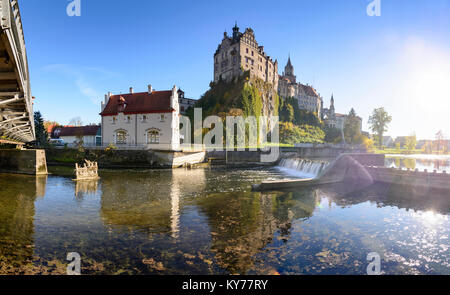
[(185, 103), (147, 120), (241, 52), (307, 97), (336, 120), (87, 136)]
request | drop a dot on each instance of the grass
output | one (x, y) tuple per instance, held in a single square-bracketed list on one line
[(393, 151)]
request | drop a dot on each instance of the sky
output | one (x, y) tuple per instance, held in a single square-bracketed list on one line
[(399, 60)]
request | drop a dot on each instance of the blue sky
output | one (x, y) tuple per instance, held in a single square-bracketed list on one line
[(399, 60)]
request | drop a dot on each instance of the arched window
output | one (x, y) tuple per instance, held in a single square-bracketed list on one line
[(121, 137), (153, 136)]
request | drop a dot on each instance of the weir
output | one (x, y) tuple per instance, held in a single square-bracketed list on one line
[(363, 170), (302, 167)]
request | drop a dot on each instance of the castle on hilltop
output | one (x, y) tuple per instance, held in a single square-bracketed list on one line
[(239, 53), (307, 97)]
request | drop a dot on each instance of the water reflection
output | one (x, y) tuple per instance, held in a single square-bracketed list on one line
[(148, 201), (243, 224), (400, 196), (209, 222), (85, 187), (421, 162), (17, 196)]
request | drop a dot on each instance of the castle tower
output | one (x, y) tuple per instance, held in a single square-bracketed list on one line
[(289, 71), (332, 111), (235, 32)]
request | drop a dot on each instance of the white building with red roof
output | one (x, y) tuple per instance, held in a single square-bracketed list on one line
[(145, 120)]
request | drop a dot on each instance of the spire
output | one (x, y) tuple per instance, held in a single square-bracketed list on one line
[(235, 31), (332, 105), (289, 69)]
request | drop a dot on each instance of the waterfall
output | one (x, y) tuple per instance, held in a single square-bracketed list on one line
[(302, 168)]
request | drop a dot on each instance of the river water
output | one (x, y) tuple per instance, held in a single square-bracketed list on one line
[(207, 221)]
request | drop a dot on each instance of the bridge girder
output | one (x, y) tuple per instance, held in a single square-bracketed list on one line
[(16, 103)]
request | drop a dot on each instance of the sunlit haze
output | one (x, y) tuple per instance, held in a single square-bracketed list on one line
[(399, 60)]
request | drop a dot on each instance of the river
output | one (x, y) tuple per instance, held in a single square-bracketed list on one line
[(207, 221)]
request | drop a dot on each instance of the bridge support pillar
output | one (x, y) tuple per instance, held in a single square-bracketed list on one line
[(32, 162)]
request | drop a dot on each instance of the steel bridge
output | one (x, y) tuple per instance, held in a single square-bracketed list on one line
[(16, 102)]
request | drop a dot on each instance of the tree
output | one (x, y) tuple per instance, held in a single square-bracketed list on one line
[(333, 135), (439, 138), (41, 133), (367, 142), (379, 123), (411, 142), (50, 126), (76, 121), (352, 128)]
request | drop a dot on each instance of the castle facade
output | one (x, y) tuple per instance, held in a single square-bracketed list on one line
[(307, 97), (241, 52)]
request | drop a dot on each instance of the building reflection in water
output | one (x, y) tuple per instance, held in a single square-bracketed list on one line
[(183, 182), (149, 201), (85, 187)]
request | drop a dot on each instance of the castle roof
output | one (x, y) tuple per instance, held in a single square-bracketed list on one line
[(139, 103), (310, 91)]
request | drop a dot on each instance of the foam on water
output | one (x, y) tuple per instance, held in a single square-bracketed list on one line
[(301, 168)]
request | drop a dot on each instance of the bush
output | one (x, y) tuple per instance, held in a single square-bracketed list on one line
[(291, 134)]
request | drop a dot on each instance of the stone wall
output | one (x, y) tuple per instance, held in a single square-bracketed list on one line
[(307, 151), (124, 158), (31, 162)]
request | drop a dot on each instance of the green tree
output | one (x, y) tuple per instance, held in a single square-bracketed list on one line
[(379, 121), (439, 139), (333, 134), (411, 142), (39, 128), (352, 128)]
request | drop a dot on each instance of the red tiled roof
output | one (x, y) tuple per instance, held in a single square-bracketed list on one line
[(76, 131), (139, 103)]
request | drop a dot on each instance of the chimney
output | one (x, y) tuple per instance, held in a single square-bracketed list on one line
[(174, 98), (109, 95), (131, 90), (150, 89)]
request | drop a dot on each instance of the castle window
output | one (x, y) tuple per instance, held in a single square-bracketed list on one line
[(128, 119), (252, 52), (144, 118), (246, 50), (114, 119), (161, 117)]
